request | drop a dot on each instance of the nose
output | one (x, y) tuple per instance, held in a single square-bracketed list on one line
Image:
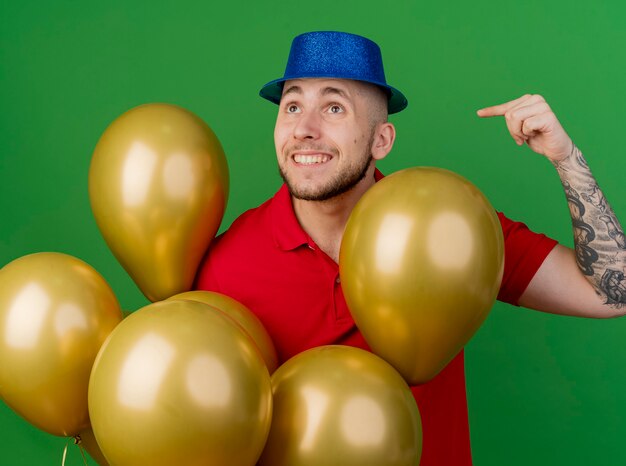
[(308, 126)]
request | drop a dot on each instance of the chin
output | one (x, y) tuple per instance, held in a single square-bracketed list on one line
[(306, 194)]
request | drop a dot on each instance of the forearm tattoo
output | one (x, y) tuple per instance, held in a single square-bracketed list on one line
[(599, 239)]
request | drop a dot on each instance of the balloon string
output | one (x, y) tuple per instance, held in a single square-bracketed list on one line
[(65, 452), (78, 441)]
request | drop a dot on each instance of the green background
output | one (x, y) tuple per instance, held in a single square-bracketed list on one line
[(542, 389)]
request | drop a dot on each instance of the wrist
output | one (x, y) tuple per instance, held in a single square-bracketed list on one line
[(568, 158)]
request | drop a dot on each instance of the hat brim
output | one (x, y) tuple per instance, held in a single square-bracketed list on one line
[(273, 92)]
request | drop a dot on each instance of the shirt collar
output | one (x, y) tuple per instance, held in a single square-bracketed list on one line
[(287, 231)]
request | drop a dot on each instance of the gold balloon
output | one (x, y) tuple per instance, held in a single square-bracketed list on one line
[(89, 443), (243, 316), (158, 185), (343, 406), (421, 263), (178, 382), (55, 313)]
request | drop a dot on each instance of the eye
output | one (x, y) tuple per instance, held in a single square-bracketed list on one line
[(335, 108), (292, 108)]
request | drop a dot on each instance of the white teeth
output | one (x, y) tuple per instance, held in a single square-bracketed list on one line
[(310, 159)]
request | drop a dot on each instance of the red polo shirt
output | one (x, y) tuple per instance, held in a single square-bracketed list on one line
[(270, 264)]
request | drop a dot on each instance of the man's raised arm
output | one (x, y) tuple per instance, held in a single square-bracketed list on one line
[(588, 281)]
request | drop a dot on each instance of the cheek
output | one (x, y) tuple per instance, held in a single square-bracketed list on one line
[(280, 137)]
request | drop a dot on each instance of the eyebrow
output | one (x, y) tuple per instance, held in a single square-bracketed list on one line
[(334, 90), (326, 91), (292, 90)]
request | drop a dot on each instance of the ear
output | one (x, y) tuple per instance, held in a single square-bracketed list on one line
[(383, 140)]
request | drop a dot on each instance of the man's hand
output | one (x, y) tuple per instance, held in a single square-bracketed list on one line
[(531, 120)]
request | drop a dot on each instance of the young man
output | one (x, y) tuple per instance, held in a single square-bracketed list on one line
[(280, 259)]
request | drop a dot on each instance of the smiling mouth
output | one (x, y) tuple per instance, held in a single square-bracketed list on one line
[(311, 159)]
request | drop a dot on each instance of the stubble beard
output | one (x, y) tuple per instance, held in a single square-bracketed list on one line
[(340, 184)]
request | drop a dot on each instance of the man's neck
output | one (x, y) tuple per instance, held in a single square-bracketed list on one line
[(325, 221)]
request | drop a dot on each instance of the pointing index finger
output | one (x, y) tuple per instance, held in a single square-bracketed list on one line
[(499, 110)]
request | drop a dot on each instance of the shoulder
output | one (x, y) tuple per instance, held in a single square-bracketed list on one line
[(510, 226), (518, 235), (247, 229), (524, 252), (231, 250)]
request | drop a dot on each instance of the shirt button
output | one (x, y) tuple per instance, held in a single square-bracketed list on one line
[(338, 280)]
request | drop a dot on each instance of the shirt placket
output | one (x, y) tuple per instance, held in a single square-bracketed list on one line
[(331, 273)]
